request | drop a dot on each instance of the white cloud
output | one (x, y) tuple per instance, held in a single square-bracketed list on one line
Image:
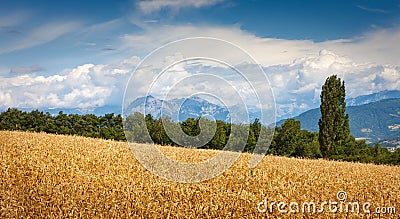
[(266, 51), (296, 69), (85, 86), (151, 6), (297, 86), (5, 98), (379, 47), (306, 88)]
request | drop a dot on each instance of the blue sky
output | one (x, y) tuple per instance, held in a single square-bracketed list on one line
[(46, 45)]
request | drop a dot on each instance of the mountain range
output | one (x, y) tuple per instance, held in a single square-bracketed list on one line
[(184, 108), (365, 99), (180, 109), (374, 117)]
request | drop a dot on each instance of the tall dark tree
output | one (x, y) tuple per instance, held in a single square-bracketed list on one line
[(334, 130)]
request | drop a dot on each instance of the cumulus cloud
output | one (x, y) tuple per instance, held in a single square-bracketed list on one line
[(297, 85), (85, 86)]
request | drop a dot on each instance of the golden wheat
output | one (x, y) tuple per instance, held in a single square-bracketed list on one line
[(50, 176)]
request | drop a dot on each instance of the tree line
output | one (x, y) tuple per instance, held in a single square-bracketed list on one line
[(198, 133), (108, 126), (333, 141), (288, 140)]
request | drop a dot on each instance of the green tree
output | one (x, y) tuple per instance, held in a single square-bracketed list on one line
[(254, 133), (12, 119), (220, 137), (62, 123), (136, 129), (334, 130), (288, 138)]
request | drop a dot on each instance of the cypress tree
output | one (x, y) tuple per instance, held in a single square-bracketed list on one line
[(334, 130)]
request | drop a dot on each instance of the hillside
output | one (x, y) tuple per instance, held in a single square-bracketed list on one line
[(375, 121), (45, 175)]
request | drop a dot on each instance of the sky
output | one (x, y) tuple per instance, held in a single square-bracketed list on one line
[(57, 54)]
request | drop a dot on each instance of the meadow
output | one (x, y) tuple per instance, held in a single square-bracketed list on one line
[(58, 176)]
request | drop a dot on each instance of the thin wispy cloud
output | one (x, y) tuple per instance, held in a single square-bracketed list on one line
[(147, 13), (25, 69), (151, 21), (10, 24), (152, 6), (376, 10), (40, 35), (14, 19), (88, 44), (105, 26), (11, 31)]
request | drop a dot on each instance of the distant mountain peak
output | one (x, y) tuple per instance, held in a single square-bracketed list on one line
[(182, 108), (374, 97)]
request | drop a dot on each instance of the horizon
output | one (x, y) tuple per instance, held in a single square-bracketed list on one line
[(98, 112)]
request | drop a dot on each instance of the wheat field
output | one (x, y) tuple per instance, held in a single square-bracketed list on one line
[(54, 176)]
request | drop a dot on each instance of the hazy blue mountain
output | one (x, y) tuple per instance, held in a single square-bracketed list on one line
[(394, 142), (153, 106), (375, 121), (188, 108), (193, 107), (365, 99)]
